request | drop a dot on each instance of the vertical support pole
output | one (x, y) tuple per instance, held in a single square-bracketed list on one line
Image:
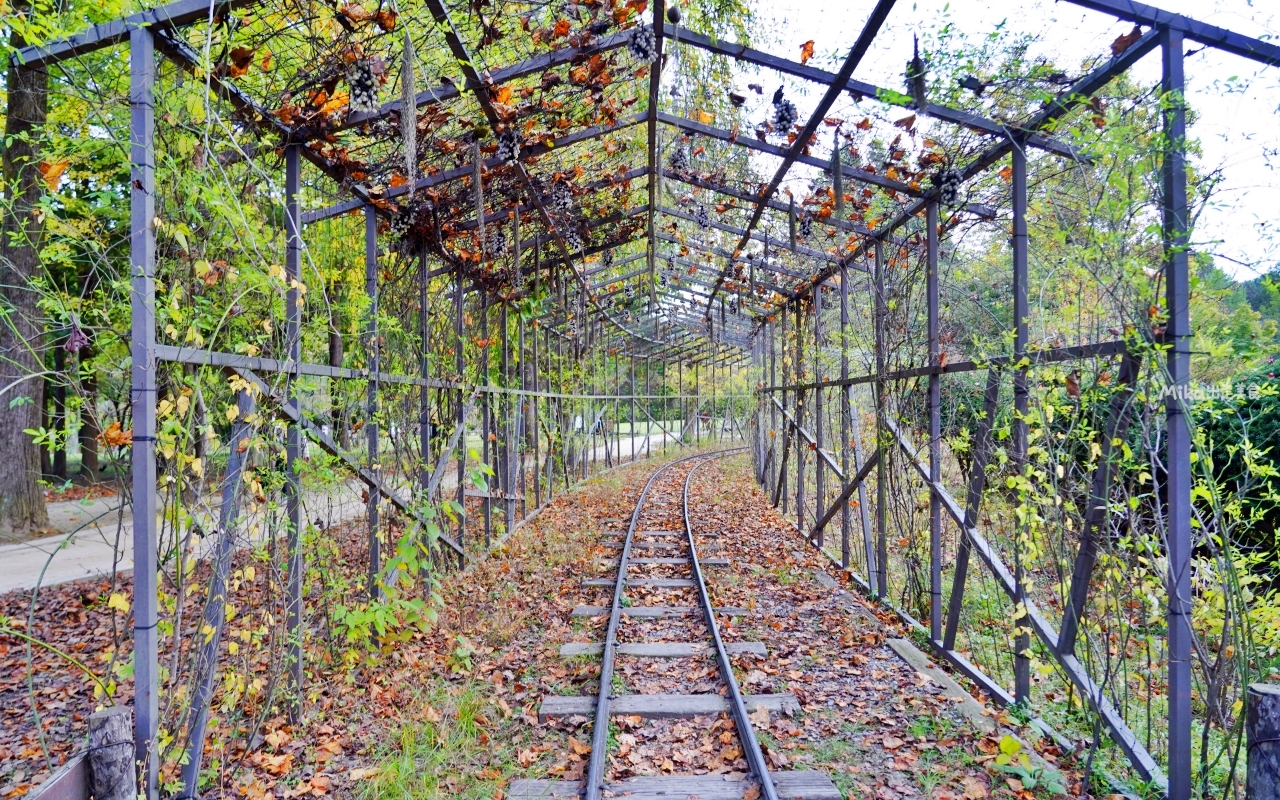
[(631, 366), (715, 408), (424, 371), (846, 420), (424, 413), (537, 428), (293, 445), (508, 426), (371, 427), (486, 426), (142, 264), (774, 444), (684, 413), (799, 411), (786, 373), (819, 496), (1022, 642), (648, 406), (1178, 445), (697, 402), (882, 490), (459, 365), (935, 423)]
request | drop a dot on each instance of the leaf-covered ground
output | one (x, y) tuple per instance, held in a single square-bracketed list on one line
[(452, 712)]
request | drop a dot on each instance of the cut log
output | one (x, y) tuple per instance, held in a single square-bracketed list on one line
[(111, 754)]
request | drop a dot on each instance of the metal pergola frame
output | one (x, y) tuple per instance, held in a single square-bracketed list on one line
[(151, 31)]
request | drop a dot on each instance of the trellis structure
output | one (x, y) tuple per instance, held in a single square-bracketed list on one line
[(754, 299)]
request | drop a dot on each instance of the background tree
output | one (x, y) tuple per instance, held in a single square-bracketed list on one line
[(21, 500)]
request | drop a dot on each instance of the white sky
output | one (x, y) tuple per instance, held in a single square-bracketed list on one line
[(1238, 100)]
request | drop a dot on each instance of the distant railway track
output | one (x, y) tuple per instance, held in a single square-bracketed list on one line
[(669, 551)]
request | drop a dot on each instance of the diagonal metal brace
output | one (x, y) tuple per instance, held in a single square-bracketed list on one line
[(329, 446)]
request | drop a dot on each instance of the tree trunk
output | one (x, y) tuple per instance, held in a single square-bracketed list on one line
[(59, 416), (21, 500), (89, 428)]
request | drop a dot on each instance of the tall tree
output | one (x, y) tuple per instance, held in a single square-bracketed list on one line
[(21, 499)]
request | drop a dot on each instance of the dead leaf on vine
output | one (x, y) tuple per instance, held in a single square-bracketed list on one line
[(241, 59), (806, 52)]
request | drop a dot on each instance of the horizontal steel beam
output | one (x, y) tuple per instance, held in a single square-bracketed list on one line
[(755, 236), (532, 66), (859, 88), (1211, 35), (467, 170), (1035, 358), (751, 143), (1065, 102), (106, 34)]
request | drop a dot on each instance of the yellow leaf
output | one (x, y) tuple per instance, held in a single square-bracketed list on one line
[(118, 602), (705, 117), (232, 412)]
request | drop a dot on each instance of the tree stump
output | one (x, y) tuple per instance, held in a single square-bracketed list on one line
[(111, 773), (1262, 733)]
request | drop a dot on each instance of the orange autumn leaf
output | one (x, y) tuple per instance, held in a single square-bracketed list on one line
[(806, 52), (398, 180), (241, 58), (354, 12), (562, 28), (386, 19), (705, 117), (114, 437), (1006, 174), (336, 102), (52, 173)]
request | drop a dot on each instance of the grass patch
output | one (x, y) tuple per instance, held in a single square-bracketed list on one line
[(453, 750)]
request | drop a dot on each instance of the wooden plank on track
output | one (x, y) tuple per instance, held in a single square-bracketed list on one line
[(662, 706), (671, 562), (655, 611), (797, 785), (646, 545), (652, 583), (663, 649)]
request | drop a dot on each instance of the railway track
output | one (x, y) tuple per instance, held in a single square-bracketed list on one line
[(657, 557)]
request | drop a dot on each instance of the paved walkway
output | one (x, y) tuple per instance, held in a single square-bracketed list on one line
[(95, 538)]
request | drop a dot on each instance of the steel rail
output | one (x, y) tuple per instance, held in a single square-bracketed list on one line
[(600, 732), (737, 706)]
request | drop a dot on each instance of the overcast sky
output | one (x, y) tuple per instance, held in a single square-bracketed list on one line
[(1238, 100)]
